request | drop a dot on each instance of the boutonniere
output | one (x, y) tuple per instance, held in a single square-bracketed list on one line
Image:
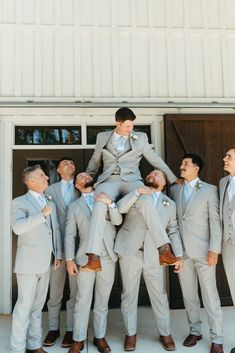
[(48, 197), (166, 203), (198, 185), (133, 137)]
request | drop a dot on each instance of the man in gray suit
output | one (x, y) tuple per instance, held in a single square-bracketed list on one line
[(34, 220), (62, 193), (137, 255), (198, 218), (120, 152), (227, 217), (78, 221)]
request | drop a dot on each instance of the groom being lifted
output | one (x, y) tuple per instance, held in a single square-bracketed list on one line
[(119, 152)]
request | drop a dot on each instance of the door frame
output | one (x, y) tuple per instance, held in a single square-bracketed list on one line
[(49, 116)]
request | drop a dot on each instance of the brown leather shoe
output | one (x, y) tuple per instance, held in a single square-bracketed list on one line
[(67, 340), (167, 342), (166, 256), (51, 338), (38, 350), (101, 344), (76, 347), (216, 348), (93, 264), (130, 343), (191, 340)]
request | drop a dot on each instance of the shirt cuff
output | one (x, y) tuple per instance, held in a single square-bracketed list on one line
[(112, 205), (137, 194)]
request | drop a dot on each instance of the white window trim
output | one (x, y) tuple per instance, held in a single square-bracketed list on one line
[(11, 117)]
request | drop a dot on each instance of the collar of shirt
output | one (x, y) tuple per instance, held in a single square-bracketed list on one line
[(232, 179), (157, 193), (117, 136), (85, 194), (35, 194), (192, 183)]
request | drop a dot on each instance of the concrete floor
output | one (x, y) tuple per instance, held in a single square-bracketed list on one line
[(147, 341)]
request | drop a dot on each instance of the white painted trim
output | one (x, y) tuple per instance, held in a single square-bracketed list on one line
[(5, 233)]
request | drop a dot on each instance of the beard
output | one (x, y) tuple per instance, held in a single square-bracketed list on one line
[(151, 183), (89, 183)]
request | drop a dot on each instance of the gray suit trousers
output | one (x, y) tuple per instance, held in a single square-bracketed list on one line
[(27, 313), (131, 269), (194, 270), (228, 254), (102, 283), (114, 187), (57, 282)]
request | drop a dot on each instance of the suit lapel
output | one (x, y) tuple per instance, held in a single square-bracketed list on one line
[(84, 206), (33, 201), (59, 196), (179, 200), (195, 193)]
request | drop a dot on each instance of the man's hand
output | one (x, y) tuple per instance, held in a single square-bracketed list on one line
[(179, 265), (144, 190), (104, 198), (46, 211), (58, 263), (71, 267), (212, 258)]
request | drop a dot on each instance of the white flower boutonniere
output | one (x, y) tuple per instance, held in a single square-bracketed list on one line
[(198, 185), (48, 197), (133, 137), (166, 203)]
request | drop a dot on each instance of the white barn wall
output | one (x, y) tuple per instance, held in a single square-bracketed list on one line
[(117, 50)]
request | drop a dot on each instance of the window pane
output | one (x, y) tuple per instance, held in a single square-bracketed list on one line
[(47, 135), (92, 131)]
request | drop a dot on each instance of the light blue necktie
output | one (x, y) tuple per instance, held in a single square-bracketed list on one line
[(90, 201), (42, 201), (120, 144), (231, 189), (154, 198), (187, 192), (68, 193)]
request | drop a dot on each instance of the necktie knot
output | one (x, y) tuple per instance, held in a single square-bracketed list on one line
[(120, 144)]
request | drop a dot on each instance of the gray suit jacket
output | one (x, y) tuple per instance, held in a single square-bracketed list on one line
[(134, 231), (78, 221), (222, 188), (127, 162), (199, 223), (54, 191), (37, 237)]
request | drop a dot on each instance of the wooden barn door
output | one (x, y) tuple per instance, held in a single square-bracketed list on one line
[(209, 136)]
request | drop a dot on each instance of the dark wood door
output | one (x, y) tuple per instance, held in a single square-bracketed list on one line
[(209, 136), (47, 159)]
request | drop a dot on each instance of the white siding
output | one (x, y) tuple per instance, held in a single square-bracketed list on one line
[(117, 49)]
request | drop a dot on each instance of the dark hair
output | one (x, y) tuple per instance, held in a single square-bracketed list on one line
[(232, 147), (195, 159), (124, 114), (64, 159), (27, 171)]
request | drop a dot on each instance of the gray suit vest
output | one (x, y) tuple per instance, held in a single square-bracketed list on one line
[(228, 207), (109, 146)]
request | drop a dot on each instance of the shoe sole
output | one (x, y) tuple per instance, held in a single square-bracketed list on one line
[(129, 349), (66, 345), (198, 339), (166, 264), (49, 344), (86, 269)]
